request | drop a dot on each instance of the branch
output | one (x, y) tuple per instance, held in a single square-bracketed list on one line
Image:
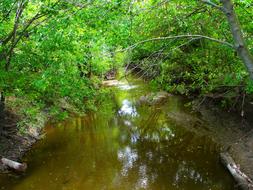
[(213, 5), (8, 12), (178, 37), (196, 11), (7, 39), (159, 53), (29, 23), (12, 34), (19, 11), (244, 182)]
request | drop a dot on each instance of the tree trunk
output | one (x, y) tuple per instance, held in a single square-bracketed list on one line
[(239, 42), (2, 115)]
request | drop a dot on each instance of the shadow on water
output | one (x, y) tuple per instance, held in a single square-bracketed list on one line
[(123, 146)]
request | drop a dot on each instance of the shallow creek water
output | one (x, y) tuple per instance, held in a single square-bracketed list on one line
[(123, 146)]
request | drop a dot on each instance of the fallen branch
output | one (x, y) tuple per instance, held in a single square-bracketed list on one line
[(244, 182), (21, 167)]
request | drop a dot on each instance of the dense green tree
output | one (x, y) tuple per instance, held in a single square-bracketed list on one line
[(53, 50), (192, 48)]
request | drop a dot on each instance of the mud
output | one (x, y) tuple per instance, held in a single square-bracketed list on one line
[(13, 144)]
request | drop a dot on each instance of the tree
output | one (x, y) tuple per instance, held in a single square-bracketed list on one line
[(179, 52), (236, 31)]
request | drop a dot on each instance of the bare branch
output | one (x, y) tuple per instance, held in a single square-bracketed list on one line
[(29, 23), (155, 63), (178, 37), (19, 11), (213, 5), (196, 11)]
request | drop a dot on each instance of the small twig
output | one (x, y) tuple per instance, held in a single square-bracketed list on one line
[(235, 102), (244, 136), (243, 101), (201, 102), (196, 11)]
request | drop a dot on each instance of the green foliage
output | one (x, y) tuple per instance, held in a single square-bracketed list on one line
[(194, 66), (61, 56), (61, 50)]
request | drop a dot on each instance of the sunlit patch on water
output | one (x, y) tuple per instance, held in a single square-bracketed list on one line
[(127, 157), (128, 123), (128, 108), (124, 86), (143, 180)]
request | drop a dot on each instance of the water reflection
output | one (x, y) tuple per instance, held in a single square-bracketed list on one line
[(184, 172), (127, 156), (136, 148), (143, 180), (128, 109)]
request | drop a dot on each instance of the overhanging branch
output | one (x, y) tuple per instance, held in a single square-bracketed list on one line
[(178, 37), (213, 5)]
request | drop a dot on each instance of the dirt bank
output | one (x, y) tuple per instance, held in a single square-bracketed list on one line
[(228, 129), (13, 144), (232, 131), (16, 140), (20, 128)]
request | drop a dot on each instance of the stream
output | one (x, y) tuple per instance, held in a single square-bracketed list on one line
[(123, 146)]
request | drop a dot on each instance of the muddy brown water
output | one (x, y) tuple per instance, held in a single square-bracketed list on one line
[(123, 146)]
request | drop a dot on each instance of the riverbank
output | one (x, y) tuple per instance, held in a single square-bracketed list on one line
[(123, 145), (24, 123), (228, 129), (234, 132), (18, 136), (225, 129)]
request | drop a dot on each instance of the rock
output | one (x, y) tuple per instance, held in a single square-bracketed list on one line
[(160, 96), (34, 132), (153, 98)]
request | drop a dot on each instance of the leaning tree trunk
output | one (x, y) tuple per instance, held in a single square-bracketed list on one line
[(239, 42)]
